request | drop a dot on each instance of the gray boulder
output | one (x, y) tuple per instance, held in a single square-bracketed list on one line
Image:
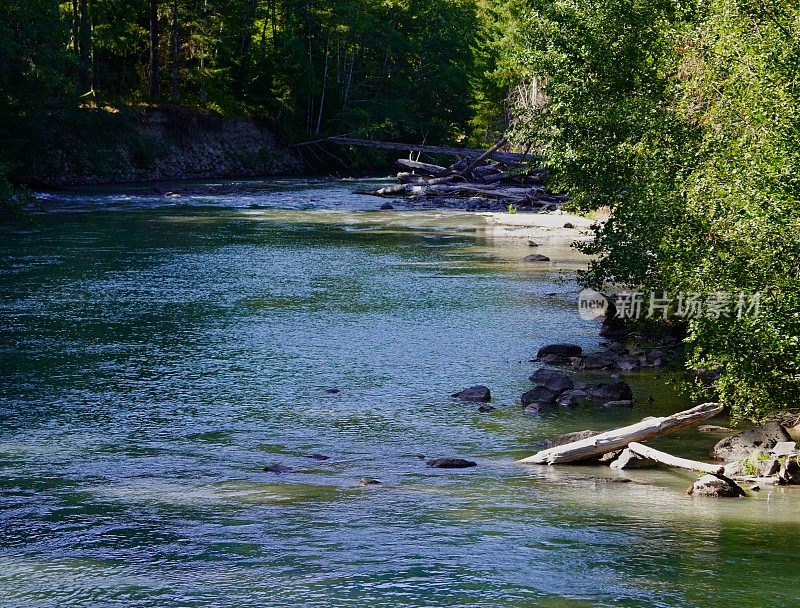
[(477, 394), (709, 485), (536, 257), (742, 445), (628, 460)]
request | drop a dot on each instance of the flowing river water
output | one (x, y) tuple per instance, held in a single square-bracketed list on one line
[(156, 352)]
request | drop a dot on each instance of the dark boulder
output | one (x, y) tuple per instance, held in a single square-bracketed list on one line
[(486, 408), (387, 206), (553, 379), (451, 463), (538, 394), (741, 445), (476, 394), (598, 361), (536, 257), (610, 391), (562, 350)]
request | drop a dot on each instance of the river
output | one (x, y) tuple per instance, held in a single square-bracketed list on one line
[(158, 351)]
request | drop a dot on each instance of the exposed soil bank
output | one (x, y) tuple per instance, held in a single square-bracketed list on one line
[(151, 144)]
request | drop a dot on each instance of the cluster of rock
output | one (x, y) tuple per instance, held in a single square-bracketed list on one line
[(614, 356), (766, 454), (554, 388)]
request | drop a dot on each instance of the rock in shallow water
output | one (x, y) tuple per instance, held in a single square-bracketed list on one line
[(561, 350), (484, 409), (451, 463), (277, 467), (611, 391), (476, 394), (552, 379), (709, 485), (539, 394), (369, 481), (741, 445), (536, 257)]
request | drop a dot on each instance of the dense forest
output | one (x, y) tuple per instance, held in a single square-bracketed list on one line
[(681, 118)]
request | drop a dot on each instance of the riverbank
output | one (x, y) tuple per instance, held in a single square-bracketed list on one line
[(139, 144)]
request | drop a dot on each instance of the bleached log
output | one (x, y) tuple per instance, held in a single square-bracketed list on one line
[(616, 439), (416, 165), (674, 461)]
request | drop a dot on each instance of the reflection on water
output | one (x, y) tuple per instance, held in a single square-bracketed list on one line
[(157, 355)]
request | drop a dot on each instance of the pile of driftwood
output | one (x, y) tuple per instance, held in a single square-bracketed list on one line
[(505, 177), (623, 444)]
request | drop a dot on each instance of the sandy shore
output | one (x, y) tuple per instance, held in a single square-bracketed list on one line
[(533, 226)]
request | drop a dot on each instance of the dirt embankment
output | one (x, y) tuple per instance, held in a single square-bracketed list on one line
[(148, 144)]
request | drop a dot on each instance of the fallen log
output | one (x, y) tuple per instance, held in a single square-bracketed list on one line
[(616, 439), (685, 463), (674, 461), (416, 165), (505, 157), (468, 169)]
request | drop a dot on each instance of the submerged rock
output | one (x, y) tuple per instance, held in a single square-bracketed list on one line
[(536, 257), (709, 485), (369, 481), (712, 428), (611, 391), (484, 409), (387, 206), (572, 398), (317, 456), (742, 445), (622, 403), (277, 468), (451, 463), (477, 393)]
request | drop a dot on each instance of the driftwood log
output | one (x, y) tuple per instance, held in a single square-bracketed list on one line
[(616, 439), (673, 461), (684, 463)]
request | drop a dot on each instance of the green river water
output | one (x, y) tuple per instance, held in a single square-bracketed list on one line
[(157, 352)]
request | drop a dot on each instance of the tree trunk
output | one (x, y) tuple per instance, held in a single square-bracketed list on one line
[(616, 439), (245, 45), (174, 92), (324, 85), (84, 42), (155, 75)]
